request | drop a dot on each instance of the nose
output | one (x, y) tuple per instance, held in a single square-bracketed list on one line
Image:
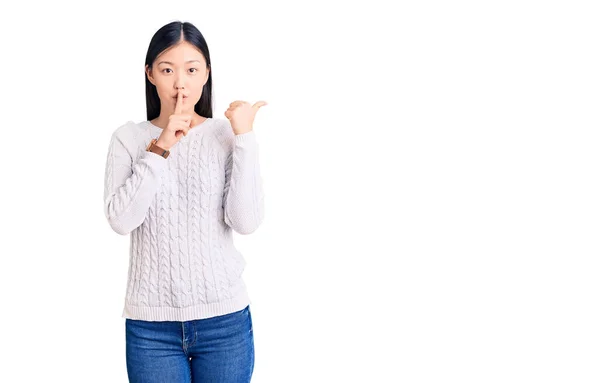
[(179, 82)]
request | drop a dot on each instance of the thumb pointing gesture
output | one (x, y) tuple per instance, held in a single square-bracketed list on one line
[(258, 104), (241, 115)]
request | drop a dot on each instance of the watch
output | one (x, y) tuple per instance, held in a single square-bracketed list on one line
[(152, 147)]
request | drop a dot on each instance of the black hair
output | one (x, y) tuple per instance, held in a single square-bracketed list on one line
[(167, 36)]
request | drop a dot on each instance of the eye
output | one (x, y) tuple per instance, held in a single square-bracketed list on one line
[(165, 69), (194, 69)]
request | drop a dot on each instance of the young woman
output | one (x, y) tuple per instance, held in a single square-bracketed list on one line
[(179, 184)]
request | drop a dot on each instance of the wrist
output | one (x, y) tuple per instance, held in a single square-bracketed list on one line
[(154, 147), (162, 145)]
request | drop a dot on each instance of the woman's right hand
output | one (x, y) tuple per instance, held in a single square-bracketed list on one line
[(178, 126)]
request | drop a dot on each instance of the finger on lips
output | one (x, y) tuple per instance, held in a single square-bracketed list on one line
[(179, 103)]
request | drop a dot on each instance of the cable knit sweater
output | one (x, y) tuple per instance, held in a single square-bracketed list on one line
[(180, 212)]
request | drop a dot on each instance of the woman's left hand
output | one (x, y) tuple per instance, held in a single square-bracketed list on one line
[(241, 115)]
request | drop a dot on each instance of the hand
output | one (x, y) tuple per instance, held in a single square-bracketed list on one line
[(241, 115), (178, 126)]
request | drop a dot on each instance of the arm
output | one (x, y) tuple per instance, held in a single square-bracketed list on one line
[(243, 200), (129, 188)]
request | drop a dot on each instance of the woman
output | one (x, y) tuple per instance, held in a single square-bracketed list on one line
[(180, 183)]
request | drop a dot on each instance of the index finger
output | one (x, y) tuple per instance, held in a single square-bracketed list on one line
[(179, 103)]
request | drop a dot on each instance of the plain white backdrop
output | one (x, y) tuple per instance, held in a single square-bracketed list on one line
[(431, 172)]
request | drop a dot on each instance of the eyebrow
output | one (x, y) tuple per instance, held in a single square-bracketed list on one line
[(168, 62)]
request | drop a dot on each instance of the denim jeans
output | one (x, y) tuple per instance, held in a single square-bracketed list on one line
[(218, 349)]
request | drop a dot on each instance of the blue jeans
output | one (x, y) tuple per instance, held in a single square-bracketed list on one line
[(218, 349)]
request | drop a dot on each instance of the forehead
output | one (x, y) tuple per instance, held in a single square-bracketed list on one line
[(181, 54)]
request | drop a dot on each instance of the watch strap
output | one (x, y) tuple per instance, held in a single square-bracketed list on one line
[(152, 147)]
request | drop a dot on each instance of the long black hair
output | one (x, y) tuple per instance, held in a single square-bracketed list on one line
[(167, 36)]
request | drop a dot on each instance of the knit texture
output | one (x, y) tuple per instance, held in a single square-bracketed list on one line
[(180, 213)]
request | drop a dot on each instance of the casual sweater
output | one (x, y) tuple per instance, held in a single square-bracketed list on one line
[(180, 212)]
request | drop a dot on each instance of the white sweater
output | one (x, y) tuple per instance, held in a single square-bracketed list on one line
[(180, 212)]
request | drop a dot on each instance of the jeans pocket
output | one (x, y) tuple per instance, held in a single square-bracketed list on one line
[(249, 318)]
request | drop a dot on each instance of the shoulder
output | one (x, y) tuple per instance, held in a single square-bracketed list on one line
[(123, 130), (129, 132), (128, 137), (223, 132)]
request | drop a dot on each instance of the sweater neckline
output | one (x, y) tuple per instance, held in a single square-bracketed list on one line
[(202, 124)]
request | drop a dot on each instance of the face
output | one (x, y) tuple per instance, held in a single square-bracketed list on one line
[(182, 65)]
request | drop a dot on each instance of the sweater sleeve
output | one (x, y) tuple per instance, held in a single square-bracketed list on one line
[(243, 201), (129, 187)]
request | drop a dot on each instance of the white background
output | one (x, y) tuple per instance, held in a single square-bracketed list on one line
[(430, 170)]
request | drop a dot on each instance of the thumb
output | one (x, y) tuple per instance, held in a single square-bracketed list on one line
[(259, 104)]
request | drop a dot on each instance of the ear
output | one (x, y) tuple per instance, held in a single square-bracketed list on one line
[(149, 75)]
